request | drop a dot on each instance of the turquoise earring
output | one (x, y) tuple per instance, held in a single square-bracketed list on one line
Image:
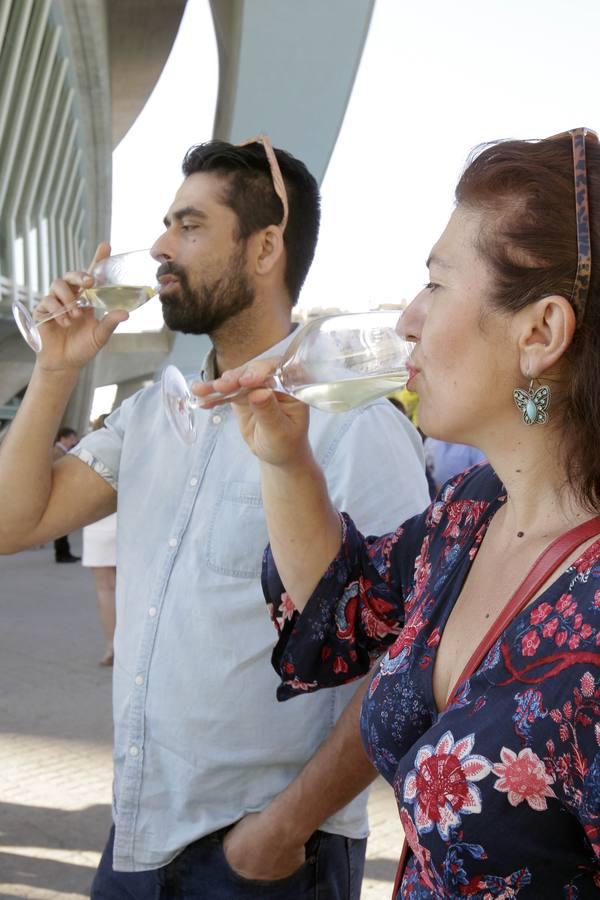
[(533, 404)]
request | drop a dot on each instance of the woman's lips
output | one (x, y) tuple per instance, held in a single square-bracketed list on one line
[(412, 374)]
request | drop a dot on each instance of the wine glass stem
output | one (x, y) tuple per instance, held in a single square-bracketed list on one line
[(81, 303), (272, 382)]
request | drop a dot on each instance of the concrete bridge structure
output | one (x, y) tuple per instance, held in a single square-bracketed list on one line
[(74, 75)]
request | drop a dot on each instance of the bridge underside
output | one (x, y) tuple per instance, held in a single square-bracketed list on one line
[(285, 68)]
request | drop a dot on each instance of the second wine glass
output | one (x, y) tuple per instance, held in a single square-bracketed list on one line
[(124, 281), (333, 363)]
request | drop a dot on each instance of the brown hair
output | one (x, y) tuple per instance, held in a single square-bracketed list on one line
[(531, 246)]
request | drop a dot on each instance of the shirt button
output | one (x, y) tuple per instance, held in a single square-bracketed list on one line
[(134, 751), (193, 482), (139, 679), (152, 611), (216, 419), (172, 542)]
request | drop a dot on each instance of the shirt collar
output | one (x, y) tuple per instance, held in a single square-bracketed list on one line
[(208, 371)]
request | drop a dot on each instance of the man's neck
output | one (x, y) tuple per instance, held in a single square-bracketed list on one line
[(249, 335)]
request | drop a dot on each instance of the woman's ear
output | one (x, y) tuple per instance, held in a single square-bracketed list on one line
[(546, 330), (268, 249)]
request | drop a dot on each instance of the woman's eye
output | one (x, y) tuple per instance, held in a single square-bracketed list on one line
[(431, 286)]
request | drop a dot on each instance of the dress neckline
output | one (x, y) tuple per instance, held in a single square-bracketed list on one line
[(467, 551)]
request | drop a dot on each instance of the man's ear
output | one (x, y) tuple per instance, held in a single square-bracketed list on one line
[(546, 330), (267, 249)]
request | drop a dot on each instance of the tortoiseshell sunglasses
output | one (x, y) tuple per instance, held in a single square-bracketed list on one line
[(581, 285)]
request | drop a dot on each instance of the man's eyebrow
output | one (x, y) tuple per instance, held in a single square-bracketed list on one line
[(183, 213), (438, 261)]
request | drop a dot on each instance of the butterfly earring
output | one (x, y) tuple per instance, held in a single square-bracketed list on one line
[(533, 404)]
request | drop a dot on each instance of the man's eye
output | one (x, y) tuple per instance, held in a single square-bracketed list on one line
[(431, 286), (188, 227)]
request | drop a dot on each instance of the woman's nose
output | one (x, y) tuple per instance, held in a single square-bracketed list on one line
[(411, 320)]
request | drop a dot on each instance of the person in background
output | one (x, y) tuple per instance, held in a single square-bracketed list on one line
[(219, 791), (410, 404), (65, 440), (445, 459), (484, 713), (100, 554)]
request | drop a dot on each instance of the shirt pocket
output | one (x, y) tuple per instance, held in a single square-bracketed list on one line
[(237, 532)]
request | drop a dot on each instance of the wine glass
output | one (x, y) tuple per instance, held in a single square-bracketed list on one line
[(123, 281), (333, 363)]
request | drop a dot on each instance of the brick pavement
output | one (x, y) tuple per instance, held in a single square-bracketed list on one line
[(55, 737)]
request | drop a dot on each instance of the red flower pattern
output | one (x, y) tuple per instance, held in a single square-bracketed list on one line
[(523, 777), (441, 784), (529, 643), (540, 613)]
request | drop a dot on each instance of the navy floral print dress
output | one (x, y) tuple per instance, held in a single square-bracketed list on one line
[(499, 794)]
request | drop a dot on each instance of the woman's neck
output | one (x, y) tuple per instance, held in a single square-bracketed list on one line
[(541, 503)]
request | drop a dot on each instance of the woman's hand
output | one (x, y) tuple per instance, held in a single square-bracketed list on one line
[(274, 425), (72, 339)]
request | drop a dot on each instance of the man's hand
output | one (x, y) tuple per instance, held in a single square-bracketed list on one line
[(74, 337), (257, 848)]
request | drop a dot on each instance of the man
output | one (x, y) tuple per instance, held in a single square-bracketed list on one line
[(220, 792), (65, 441)]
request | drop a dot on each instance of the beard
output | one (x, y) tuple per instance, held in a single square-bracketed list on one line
[(205, 309)]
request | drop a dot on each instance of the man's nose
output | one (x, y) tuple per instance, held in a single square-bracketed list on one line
[(159, 250)]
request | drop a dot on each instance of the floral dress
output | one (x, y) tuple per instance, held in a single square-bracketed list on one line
[(499, 794)]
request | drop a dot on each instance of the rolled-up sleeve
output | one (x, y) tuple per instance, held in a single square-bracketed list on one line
[(101, 449)]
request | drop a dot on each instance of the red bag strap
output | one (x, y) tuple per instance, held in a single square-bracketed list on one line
[(546, 563)]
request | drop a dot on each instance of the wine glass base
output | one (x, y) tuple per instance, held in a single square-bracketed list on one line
[(26, 325), (176, 399)]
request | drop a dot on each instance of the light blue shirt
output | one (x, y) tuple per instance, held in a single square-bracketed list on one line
[(447, 460), (200, 739)]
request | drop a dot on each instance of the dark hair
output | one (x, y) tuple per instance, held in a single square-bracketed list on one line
[(99, 423), (250, 194), (64, 432), (527, 188)]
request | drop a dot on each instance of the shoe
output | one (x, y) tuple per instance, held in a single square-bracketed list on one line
[(69, 558)]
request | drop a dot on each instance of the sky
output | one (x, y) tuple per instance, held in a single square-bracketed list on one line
[(436, 79)]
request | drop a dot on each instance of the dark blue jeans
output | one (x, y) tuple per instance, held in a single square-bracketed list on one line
[(333, 871)]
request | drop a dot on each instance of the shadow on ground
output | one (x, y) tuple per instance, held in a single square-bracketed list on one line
[(47, 861), (381, 869)]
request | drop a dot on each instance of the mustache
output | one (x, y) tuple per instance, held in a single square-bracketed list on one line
[(171, 268)]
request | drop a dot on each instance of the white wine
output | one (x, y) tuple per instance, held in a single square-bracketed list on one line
[(119, 296), (333, 363), (339, 396)]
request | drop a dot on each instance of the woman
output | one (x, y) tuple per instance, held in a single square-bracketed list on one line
[(100, 554), (495, 766)]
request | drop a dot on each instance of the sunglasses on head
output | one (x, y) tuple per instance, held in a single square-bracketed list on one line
[(278, 182), (581, 284)]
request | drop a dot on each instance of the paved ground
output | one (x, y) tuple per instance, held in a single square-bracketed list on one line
[(55, 736)]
